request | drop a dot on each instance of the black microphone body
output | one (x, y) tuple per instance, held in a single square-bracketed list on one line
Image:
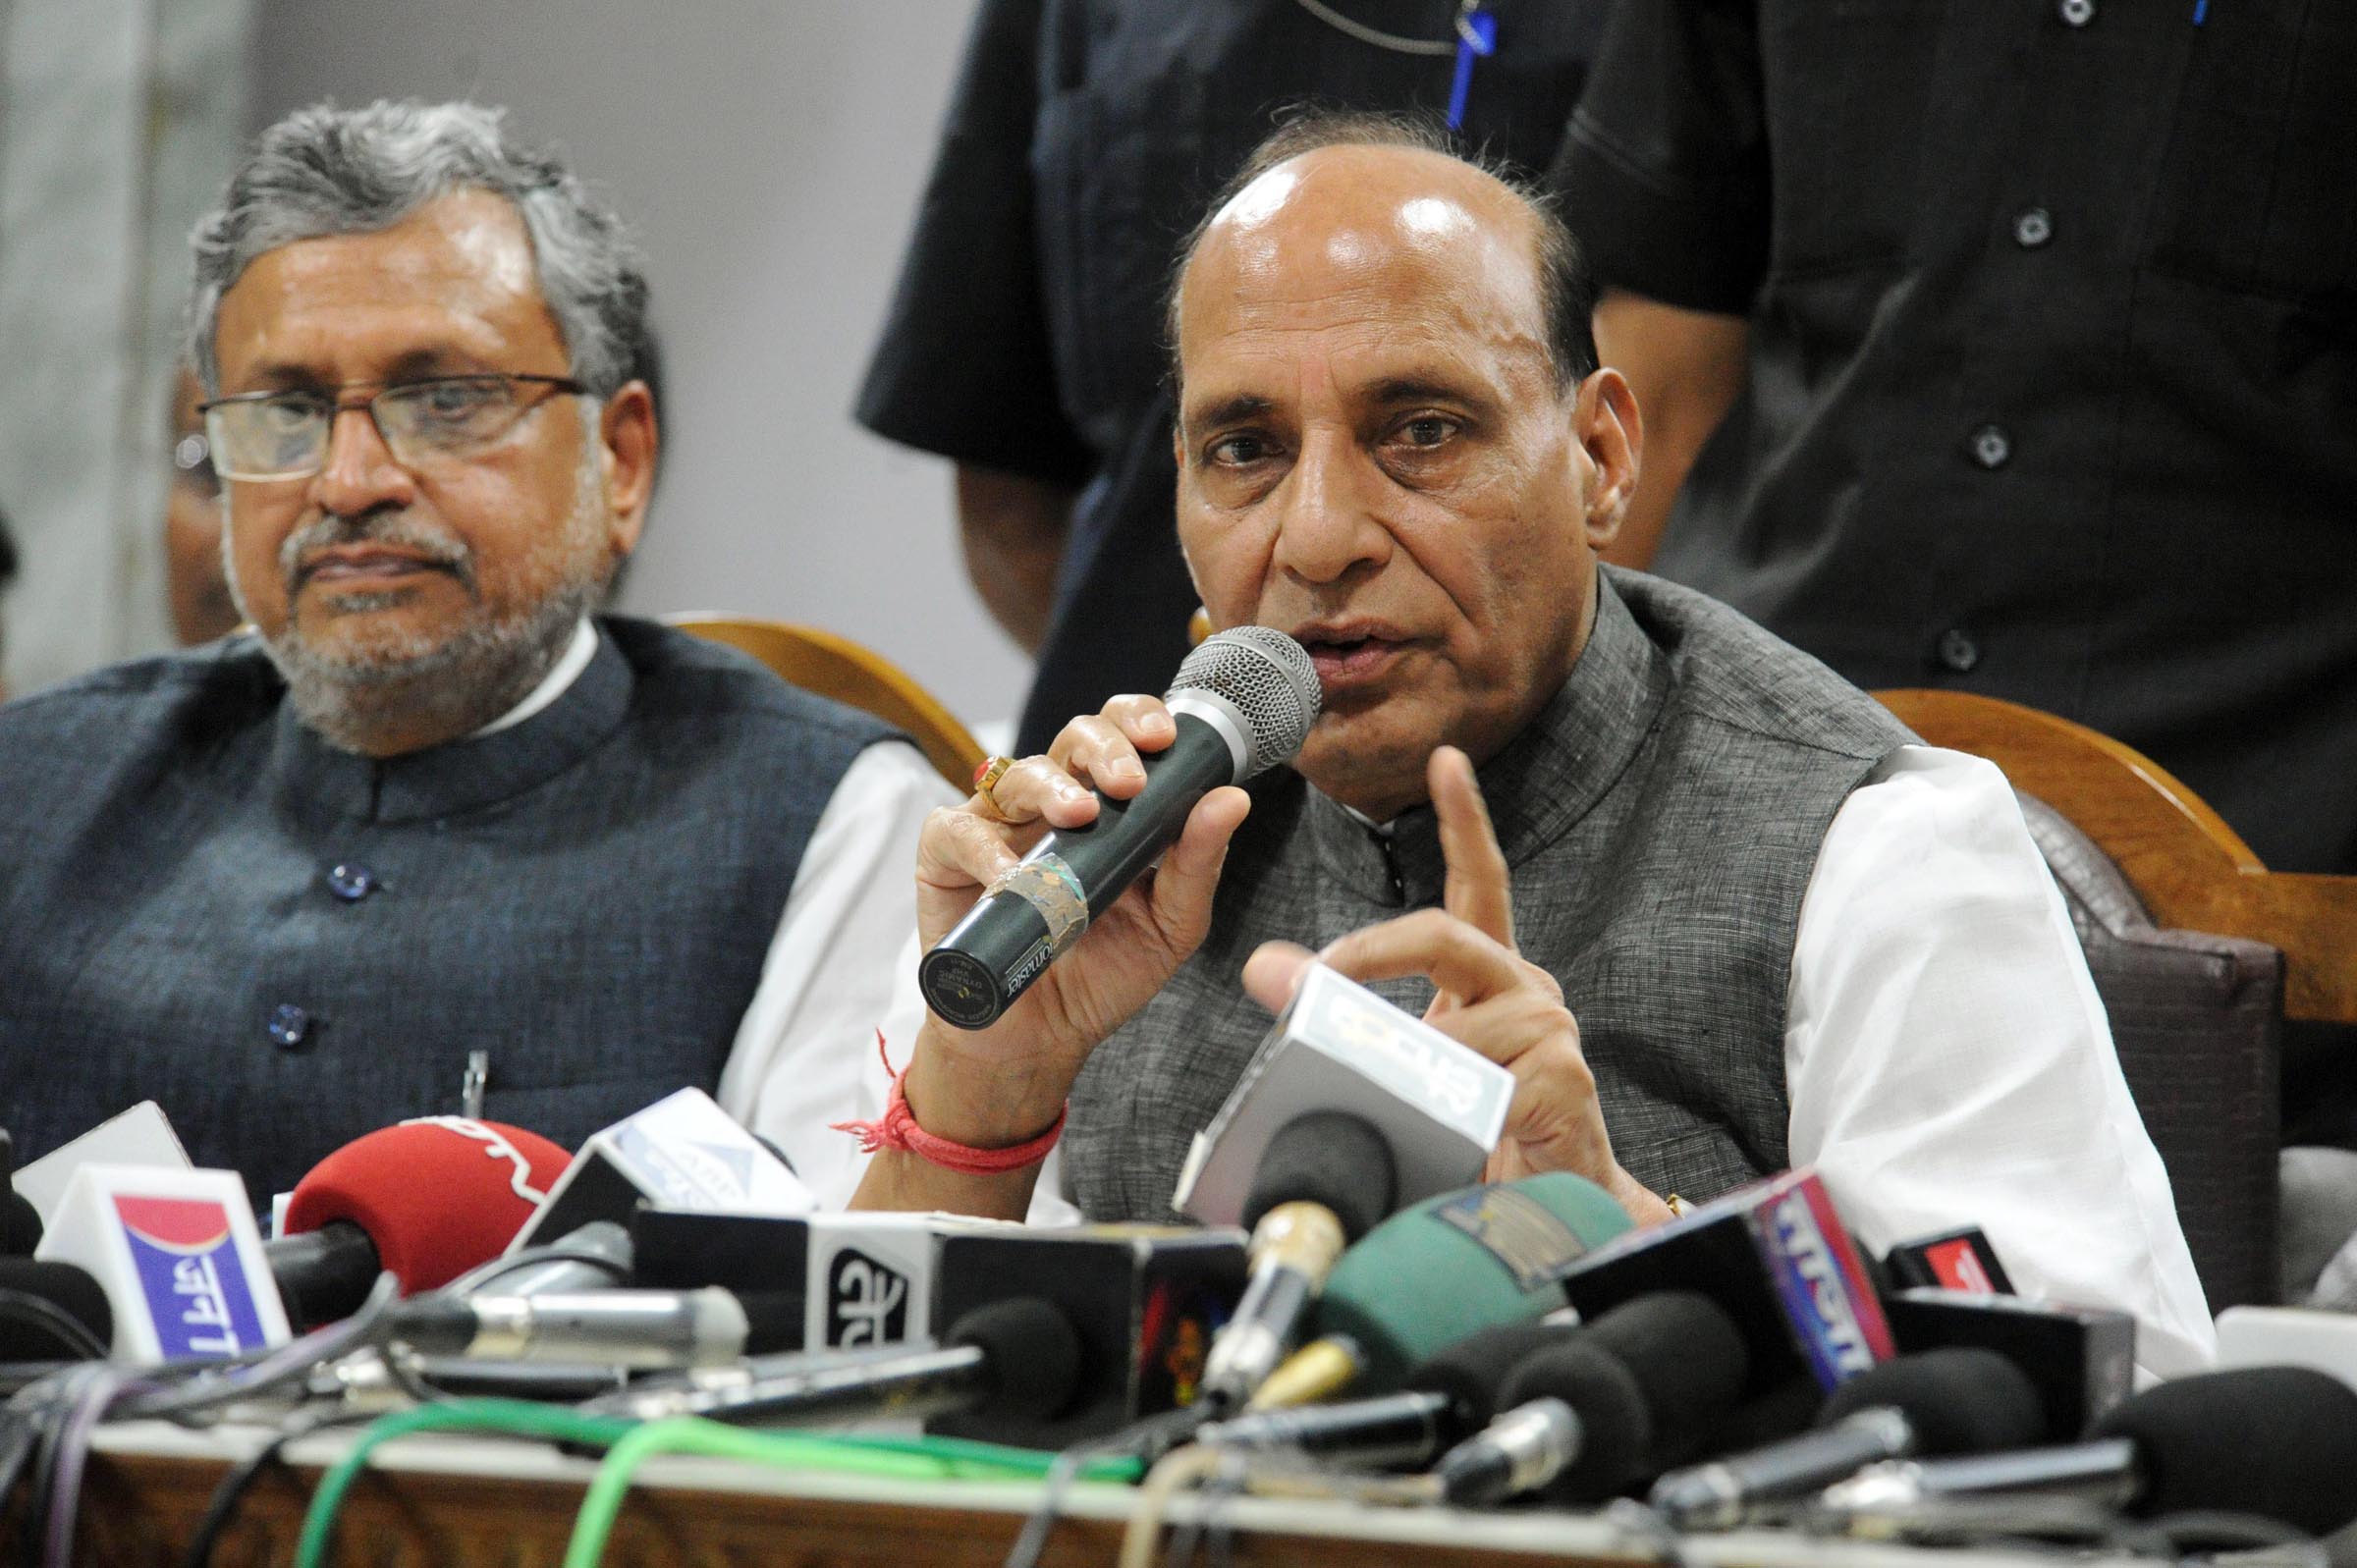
[(323, 1275), (1242, 702), (989, 958), (1952, 1401), (52, 1312), (2277, 1441), (1018, 1359), (1401, 1429)]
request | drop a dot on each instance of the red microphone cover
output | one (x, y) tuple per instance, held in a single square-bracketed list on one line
[(437, 1196)]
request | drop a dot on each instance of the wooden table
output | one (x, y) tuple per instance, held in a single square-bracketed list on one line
[(430, 1502)]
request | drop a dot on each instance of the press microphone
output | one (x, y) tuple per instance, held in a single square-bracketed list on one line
[(1016, 1361), (1647, 1379), (1451, 1394), (1964, 1260), (1775, 1255), (178, 1256), (1934, 1403), (1242, 702), (1325, 1182), (424, 1200), (1441, 1269), (2082, 1360), (2277, 1441), (1596, 1409), (641, 1329), (52, 1312)]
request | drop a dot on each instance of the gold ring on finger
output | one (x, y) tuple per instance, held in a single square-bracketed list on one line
[(986, 780)]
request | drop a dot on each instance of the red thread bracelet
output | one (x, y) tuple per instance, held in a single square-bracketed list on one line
[(897, 1128)]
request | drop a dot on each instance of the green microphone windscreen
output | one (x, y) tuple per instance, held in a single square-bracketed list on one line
[(1461, 1262)]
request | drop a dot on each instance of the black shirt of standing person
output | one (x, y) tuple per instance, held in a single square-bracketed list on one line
[(1083, 141), (2053, 359)]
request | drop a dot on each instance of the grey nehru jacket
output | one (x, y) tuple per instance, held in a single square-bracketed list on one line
[(1661, 820), (288, 945)]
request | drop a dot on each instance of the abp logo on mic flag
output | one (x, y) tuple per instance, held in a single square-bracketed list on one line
[(186, 1259)]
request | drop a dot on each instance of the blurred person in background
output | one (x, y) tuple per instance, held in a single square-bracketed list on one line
[(198, 588)]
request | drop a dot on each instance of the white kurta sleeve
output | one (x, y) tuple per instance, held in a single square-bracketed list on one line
[(804, 1055), (1950, 1064)]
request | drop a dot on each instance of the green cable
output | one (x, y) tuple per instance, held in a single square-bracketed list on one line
[(519, 1417), (630, 1443), (906, 1458)]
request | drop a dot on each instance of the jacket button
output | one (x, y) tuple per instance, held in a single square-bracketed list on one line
[(350, 882), (2033, 227), (2076, 13), (289, 1025), (1958, 651), (1991, 447)]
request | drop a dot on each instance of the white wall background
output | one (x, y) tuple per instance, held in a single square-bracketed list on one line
[(769, 153)]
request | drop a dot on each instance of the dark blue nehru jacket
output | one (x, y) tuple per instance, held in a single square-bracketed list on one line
[(203, 903)]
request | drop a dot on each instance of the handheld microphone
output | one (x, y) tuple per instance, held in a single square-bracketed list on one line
[(1776, 1255), (1242, 702), (1492, 1256), (2277, 1441), (1325, 1182), (424, 1200), (1934, 1403)]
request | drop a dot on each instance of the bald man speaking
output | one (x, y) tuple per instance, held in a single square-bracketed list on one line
[(1718, 912)]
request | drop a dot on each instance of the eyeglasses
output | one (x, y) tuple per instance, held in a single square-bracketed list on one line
[(282, 435)]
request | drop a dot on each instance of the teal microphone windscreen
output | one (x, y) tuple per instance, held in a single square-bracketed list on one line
[(1464, 1261)]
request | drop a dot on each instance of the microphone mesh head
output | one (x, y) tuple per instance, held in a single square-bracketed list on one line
[(1269, 679)]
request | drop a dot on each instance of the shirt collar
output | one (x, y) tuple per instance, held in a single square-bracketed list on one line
[(1547, 778), (566, 717), (561, 675)]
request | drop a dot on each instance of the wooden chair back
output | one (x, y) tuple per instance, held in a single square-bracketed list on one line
[(860, 678), (2192, 871)]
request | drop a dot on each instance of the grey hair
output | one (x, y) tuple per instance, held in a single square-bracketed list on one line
[(325, 170)]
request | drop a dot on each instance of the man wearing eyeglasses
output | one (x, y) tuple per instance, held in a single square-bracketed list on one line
[(287, 883)]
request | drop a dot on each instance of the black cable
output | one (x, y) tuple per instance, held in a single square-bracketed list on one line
[(26, 1306), (233, 1487), (216, 1383), (1149, 1439), (23, 1423), (51, 1420)]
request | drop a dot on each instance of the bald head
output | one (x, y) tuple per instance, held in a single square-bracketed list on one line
[(1355, 188), (1383, 451)]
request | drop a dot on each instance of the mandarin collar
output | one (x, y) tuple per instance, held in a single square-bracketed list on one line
[(318, 782), (1546, 779)]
